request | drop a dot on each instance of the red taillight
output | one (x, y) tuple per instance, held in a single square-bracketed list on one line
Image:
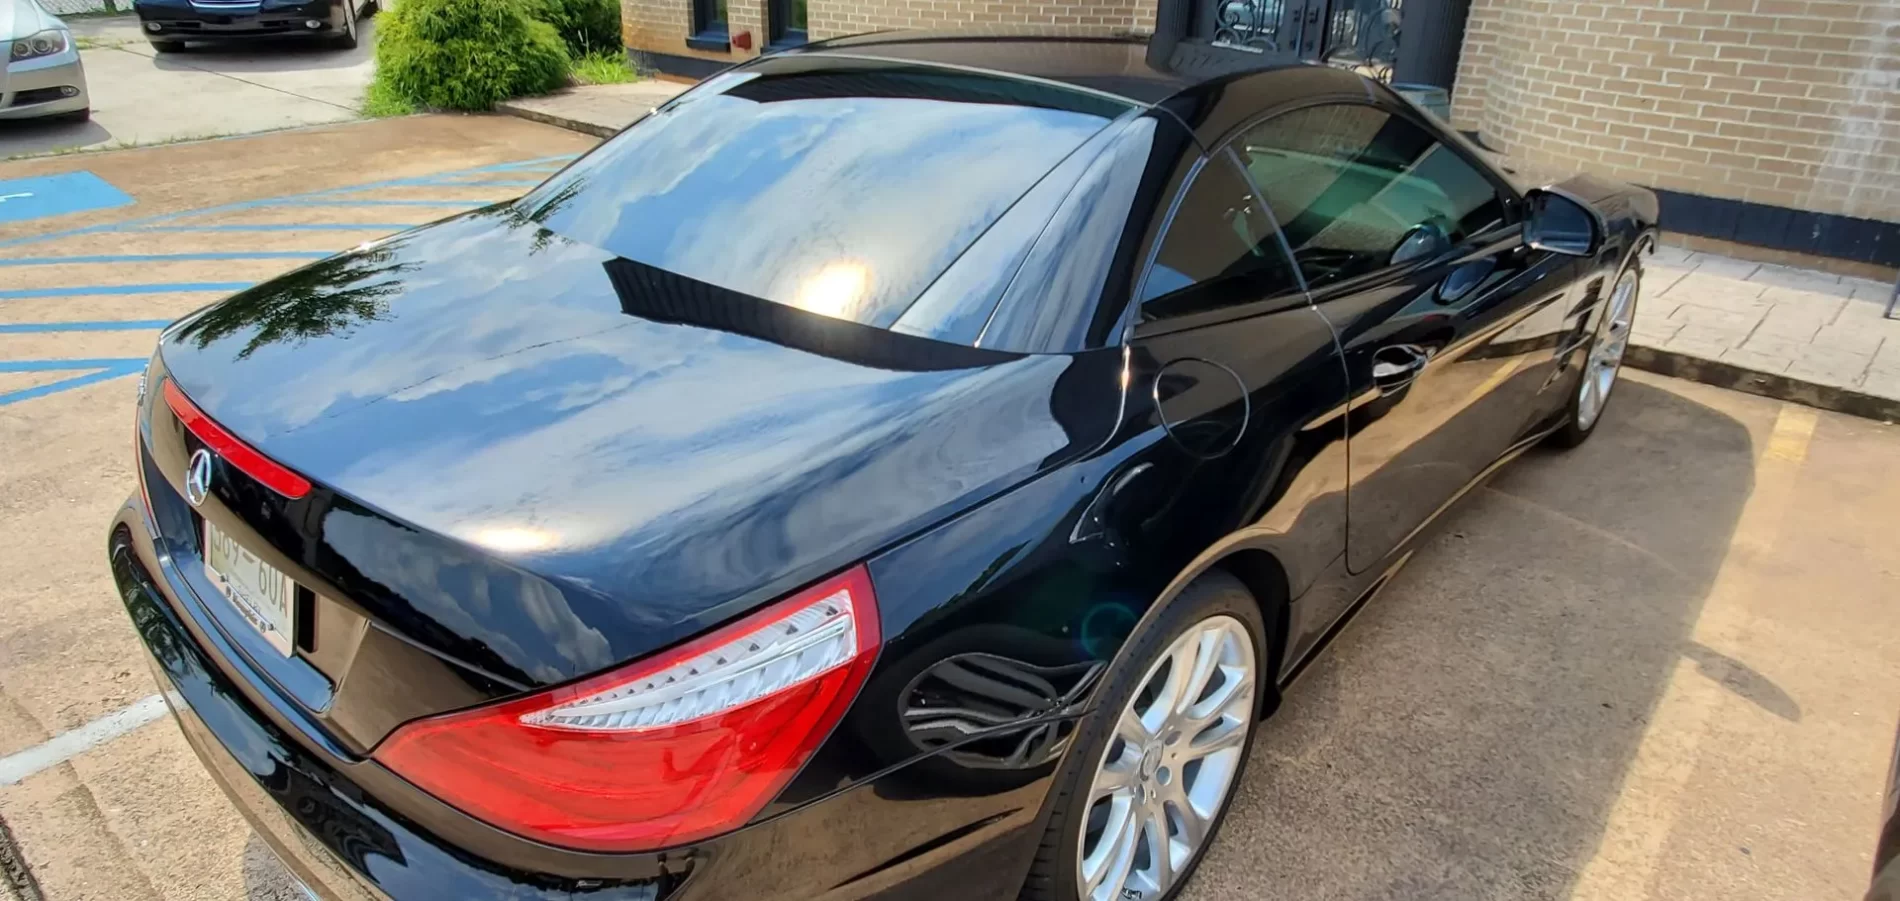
[(684, 745), (269, 472)]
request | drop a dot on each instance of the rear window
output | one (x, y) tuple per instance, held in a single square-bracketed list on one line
[(839, 186)]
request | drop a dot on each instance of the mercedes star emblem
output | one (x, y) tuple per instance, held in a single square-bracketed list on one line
[(198, 477)]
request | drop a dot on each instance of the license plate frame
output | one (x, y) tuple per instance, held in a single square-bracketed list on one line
[(264, 596)]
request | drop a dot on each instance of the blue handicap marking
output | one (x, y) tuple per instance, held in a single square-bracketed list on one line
[(91, 371), (56, 195)]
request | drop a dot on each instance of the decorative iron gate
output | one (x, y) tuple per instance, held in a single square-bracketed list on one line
[(1362, 35)]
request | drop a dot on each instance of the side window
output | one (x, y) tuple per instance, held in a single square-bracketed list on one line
[(1356, 189), (1220, 249)]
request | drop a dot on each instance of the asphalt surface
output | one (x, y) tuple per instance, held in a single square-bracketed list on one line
[(142, 97), (1661, 666)]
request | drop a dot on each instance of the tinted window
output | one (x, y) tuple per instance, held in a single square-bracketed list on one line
[(838, 186), (1356, 189), (1220, 249)]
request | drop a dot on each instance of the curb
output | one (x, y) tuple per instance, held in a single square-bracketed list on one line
[(1764, 384), (558, 121)]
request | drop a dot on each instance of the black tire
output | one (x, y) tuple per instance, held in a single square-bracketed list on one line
[(1053, 877), (84, 115), (168, 46), (347, 40), (1572, 433)]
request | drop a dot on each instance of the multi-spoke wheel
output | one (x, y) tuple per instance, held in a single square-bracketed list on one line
[(1603, 362), (1144, 791), (1169, 765)]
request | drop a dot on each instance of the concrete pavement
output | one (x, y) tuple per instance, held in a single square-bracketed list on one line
[(142, 97)]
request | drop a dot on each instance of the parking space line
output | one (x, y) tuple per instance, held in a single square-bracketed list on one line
[(252, 204), (16, 767), (154, 288), (165, 257), (1640, 822)]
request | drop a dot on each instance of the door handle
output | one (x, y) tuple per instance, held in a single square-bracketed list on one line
[(1395, 367)]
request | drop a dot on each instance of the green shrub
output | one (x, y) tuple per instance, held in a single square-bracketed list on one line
[(467, 54), (381, 101), (588, 26)]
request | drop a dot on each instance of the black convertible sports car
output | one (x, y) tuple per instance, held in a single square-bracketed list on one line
[(909, 467)]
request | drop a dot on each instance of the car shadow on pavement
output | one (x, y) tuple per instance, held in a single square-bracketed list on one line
[(22, 137), (1469, 735)]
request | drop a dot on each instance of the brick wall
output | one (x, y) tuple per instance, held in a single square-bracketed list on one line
[(1794, 103), (661, 26)]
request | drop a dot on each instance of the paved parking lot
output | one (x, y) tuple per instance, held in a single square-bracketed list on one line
[(1664, 666), (141, 97)]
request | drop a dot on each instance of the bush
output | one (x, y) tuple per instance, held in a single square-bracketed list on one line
[(381, 101), (588, 26), (467, 54)]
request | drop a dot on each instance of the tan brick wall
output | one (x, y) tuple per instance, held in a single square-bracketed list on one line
[(1794, 103), (661, 26)]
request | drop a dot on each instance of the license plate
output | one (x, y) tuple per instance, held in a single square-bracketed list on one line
[(260, 592)]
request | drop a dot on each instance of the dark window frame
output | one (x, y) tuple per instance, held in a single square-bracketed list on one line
[(710, 31), (778, 17), (1132, 318)]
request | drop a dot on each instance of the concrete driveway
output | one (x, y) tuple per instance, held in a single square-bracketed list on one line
[(143, 97)]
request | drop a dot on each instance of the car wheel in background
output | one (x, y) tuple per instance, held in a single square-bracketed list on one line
[(1147, 785), (347, 40), (1603, 362)]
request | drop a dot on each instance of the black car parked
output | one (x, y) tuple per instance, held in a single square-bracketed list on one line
[(907, 467), (168, 24)]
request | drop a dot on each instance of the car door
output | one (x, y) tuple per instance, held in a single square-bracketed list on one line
[(1415, 255), (1245, 379)]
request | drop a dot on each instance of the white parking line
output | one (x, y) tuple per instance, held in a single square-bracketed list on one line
[(54, 751)]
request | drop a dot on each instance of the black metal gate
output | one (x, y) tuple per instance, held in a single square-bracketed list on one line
[(1355, 34)]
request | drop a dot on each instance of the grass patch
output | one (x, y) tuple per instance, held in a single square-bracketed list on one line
[(382, 101), (604, 67)]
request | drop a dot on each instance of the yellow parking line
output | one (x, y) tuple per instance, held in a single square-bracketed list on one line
[(1652, 795)]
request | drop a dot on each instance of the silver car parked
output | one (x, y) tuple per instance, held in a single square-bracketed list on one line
[(43, 76)]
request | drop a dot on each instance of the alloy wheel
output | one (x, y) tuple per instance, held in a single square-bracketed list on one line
[(1606, 352), (1170, 764)]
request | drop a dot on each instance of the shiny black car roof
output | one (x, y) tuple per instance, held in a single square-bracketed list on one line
[(1141, 68)]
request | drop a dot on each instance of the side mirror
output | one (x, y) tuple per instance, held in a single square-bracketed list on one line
[(1561, 225)]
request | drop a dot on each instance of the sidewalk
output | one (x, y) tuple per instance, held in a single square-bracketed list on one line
[(599, 110), (1793, 334)]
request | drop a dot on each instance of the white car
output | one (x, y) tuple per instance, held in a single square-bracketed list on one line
[(43, 76)]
